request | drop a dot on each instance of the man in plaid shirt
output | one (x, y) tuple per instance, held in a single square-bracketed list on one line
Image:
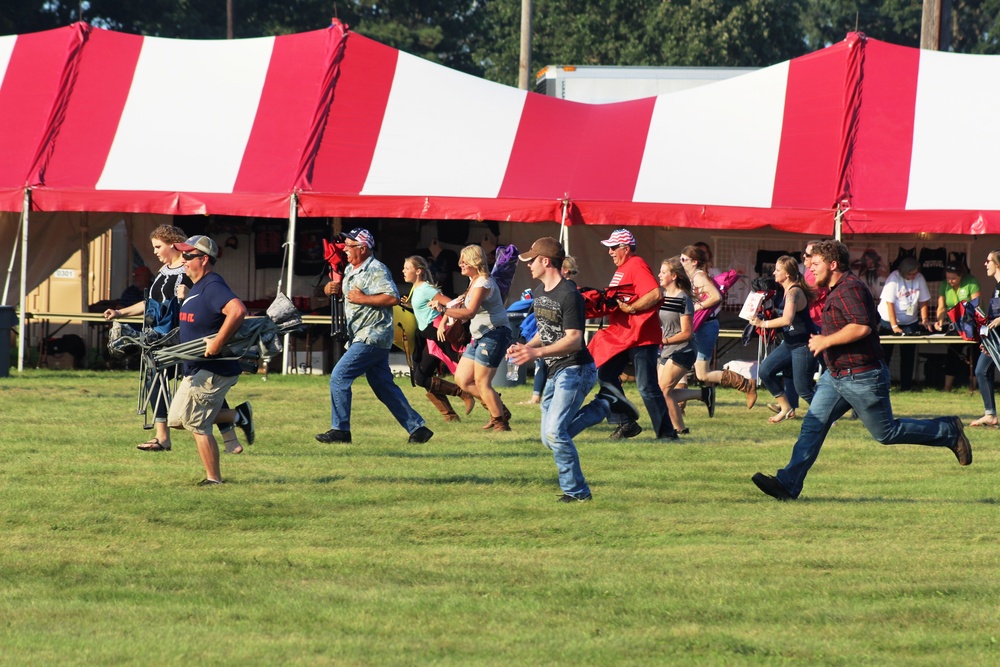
[(856, 377)]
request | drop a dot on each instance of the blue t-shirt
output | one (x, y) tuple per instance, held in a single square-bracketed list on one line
[(420, 299), (201, 315)]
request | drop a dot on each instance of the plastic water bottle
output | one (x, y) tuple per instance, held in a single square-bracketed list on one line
[(513, 371)]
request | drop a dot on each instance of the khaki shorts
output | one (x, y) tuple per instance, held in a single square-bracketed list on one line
[(198, 401)]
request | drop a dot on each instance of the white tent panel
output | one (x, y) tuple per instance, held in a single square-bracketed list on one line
[(956, 133), (716, 143), (428, 146), (188, 116), (6, 49)]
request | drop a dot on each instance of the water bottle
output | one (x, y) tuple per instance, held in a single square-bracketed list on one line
[(513, 371)]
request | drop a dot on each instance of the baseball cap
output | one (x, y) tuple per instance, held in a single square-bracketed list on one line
[(361, 235), (546, 247), (199, 242), (620, 237)]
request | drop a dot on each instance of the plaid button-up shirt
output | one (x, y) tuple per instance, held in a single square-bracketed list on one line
[(850, 302)]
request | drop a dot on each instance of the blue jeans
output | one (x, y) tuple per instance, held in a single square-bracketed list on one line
[(373, 363), (644, 360), (868, 394), (540, 375), (563, 416), (795, 362), (984, 375)]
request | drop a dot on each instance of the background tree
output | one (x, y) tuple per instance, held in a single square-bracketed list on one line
[(642, 32), (482, 36)]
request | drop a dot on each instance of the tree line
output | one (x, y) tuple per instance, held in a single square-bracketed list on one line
[(482, 37)]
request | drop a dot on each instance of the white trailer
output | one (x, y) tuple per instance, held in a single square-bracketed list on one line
[(598, 84)]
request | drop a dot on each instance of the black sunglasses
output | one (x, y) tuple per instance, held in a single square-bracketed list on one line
[(190, 255)]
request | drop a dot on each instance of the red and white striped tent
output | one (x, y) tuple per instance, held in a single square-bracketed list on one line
[(329, 123)]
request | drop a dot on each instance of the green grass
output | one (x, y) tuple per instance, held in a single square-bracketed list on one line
[(455, 552)]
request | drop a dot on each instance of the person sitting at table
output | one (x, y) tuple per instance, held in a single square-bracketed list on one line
[(957, 286), (904, 308)]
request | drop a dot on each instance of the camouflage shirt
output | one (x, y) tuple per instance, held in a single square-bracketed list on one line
[(369, 324)]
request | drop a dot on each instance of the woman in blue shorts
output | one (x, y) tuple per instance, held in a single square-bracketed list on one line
[(483, 307)]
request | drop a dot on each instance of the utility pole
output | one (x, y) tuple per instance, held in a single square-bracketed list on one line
[(524, 67), (936, 15), (229, 19)]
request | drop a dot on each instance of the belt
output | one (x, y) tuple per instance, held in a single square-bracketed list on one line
[(854, 371)]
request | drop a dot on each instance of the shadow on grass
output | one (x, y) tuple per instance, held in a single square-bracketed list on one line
[(462, 479), (875, 500), (467, 455)]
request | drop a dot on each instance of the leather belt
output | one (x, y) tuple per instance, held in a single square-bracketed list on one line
[(854, 371)]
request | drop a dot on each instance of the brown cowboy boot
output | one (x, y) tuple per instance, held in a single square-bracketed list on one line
[(504, 418), (734, 380), (439, 386), (440, 401)]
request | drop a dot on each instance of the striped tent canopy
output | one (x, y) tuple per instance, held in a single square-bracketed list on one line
[(897, 139)]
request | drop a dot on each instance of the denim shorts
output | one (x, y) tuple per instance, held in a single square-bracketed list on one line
[(705, 338), (489, 350)]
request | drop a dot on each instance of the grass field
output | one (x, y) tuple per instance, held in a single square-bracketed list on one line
[(456, 553)]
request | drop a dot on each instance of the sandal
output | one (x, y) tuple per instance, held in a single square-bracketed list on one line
[(153, 445), (782, 416), (986, 421)]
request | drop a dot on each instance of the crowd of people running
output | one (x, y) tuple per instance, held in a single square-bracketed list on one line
[(663, 327)]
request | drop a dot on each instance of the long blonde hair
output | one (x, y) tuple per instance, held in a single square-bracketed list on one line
[(420, 266), (474, 256)]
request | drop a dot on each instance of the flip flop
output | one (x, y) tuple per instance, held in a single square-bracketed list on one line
[(782, 416), (153, 445)]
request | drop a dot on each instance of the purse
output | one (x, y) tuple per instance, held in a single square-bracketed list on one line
[(457, 333)]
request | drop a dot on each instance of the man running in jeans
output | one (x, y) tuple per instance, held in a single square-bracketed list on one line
[(570, 369), (856, 377)]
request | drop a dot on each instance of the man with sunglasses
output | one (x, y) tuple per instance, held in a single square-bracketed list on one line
[(210, 309), (369, 295), (633, 334)]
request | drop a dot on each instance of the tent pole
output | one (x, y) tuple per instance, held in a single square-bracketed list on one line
[(838, 222), (563, 230), (25, 208), (293, 216)]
